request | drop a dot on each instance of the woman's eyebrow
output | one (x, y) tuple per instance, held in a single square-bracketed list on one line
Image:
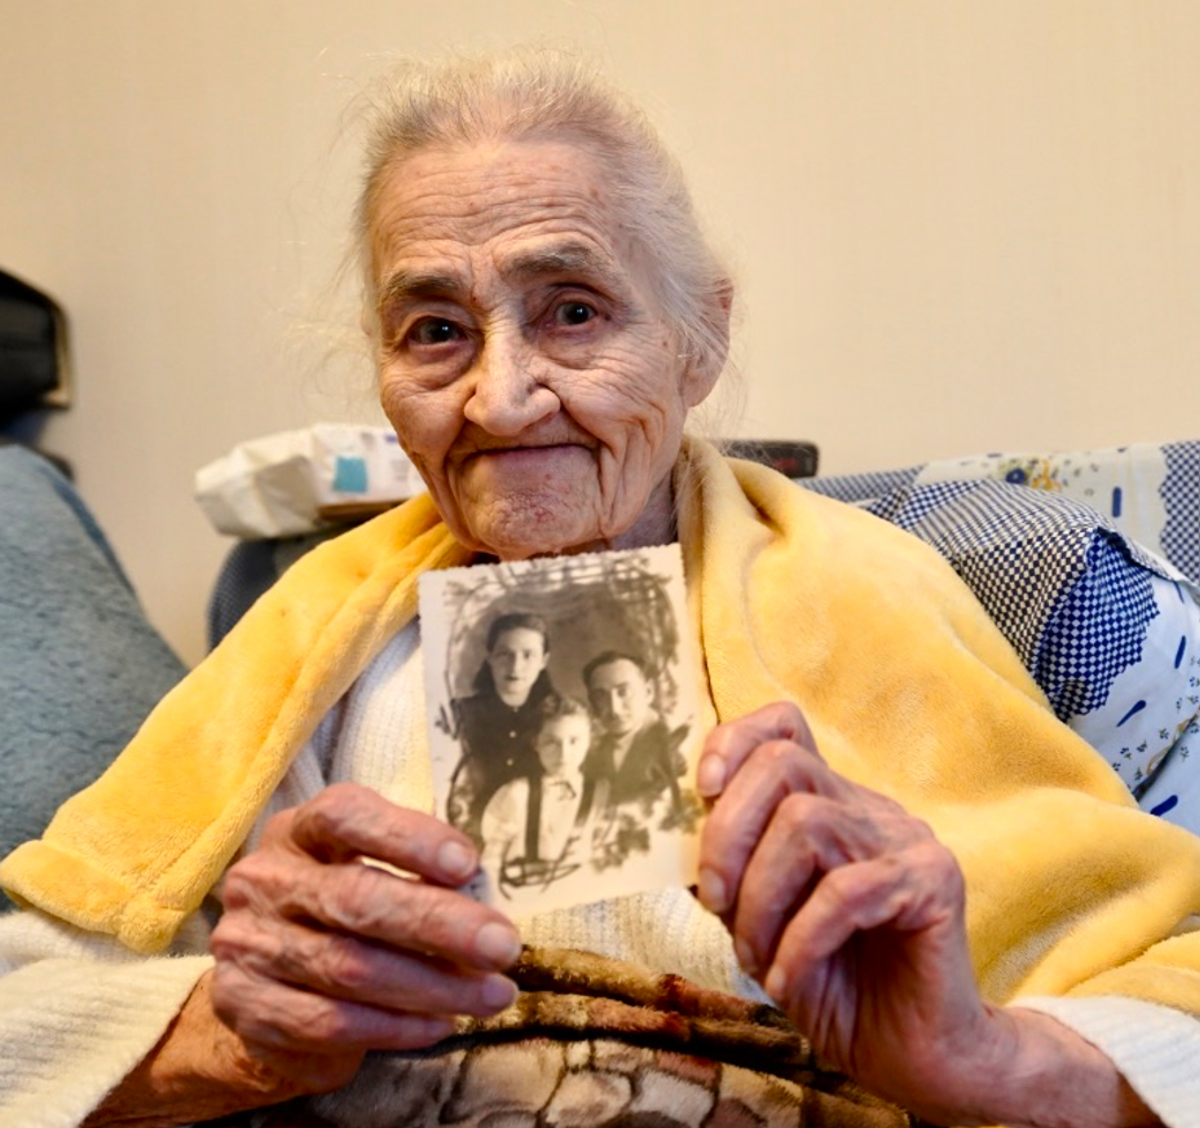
[(569, 258), (405, 285)]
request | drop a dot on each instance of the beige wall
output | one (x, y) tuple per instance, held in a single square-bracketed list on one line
[(956, 225)]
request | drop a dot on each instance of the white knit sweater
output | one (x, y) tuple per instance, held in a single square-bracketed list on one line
[(78, 1011)]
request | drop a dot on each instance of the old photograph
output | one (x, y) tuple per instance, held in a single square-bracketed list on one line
[(562, 698)]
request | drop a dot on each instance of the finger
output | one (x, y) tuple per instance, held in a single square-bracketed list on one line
[(345, 967), (737, 821), (347, 821), (273, 1017), (373, 904), (728, 745), (778, 877), (914, 891), (807, 835)]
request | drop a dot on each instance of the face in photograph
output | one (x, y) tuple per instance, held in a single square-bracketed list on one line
[(562, 744), (621, 696), (516, 659)]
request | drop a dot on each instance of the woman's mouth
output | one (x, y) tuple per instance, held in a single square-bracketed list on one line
[(530, 453)]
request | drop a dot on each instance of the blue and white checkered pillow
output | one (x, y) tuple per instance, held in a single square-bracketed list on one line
[(1148, 491), (1109, 631)]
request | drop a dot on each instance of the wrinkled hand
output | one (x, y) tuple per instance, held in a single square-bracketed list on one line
[(848, 911), (321, 957)]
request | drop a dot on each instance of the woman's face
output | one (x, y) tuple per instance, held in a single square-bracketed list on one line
[(523, 358), (516, 659)]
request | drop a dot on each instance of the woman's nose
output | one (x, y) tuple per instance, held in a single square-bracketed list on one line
[(507, 397)]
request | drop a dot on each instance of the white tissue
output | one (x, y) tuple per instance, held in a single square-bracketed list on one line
[(283, 484)]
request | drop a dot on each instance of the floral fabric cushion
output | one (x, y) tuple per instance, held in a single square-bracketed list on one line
[(1173, 792)]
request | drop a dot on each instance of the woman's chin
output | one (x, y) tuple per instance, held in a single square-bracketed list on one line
[(521, 532)]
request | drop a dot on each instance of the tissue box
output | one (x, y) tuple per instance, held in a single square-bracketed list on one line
[(295, 482)]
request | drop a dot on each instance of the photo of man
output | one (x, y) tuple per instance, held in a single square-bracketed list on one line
[(636, 753)]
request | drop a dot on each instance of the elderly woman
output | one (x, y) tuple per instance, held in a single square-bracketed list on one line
[(941, 887)]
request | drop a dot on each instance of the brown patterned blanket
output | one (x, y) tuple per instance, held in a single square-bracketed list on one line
[(595, 1043)]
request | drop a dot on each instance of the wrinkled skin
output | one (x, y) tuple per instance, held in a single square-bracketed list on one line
[(320, 955), (523, 358), (852, 916)]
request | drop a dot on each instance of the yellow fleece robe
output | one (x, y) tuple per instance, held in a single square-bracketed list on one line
[(906, 683)]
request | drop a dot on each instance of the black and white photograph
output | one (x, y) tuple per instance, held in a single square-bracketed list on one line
[(562, 696)]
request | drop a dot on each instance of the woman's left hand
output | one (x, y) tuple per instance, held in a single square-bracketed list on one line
[(848, 911), (851, 915)]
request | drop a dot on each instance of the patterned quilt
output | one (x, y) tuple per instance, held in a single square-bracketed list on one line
[(594, 1043)]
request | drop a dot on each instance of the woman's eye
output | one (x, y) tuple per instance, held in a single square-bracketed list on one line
[(573, 313), (434, 331)]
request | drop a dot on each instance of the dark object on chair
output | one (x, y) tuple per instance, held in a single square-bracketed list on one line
[(790, 457), (33, 349), (250, 567)]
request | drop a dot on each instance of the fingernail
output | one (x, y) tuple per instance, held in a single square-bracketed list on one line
[(499, 991), (712, 891), (710, 777), (456, 860), (745, 957), (498, 944), (775, 983)]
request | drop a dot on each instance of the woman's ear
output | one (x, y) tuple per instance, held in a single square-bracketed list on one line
[(703, 369)]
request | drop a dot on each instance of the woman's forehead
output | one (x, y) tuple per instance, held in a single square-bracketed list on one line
[(515, 210), (518, 638)]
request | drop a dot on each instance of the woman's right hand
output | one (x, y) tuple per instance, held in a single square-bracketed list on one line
[(321, 956)]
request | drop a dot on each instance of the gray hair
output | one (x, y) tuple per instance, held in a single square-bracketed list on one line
[(536, 92)]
